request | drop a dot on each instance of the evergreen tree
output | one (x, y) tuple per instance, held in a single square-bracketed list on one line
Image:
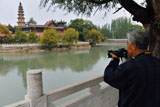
[(31, 21)]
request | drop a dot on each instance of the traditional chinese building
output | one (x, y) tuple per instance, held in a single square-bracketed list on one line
[(20, 15), (38, 29)]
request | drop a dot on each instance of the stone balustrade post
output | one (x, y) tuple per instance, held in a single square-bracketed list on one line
[(34, 84), (35, 89)]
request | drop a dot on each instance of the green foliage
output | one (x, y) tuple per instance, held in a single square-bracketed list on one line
[(4, 40), (106, 30), (139, 27), (80, 6), (4, 30), (33, 38), (59, 37), (94, 36), (49, 37), (70, 36), (82, 26), (20, 37), (31, 21), (119, 28)]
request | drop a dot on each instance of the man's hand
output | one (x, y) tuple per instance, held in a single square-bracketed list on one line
[(113, 55)]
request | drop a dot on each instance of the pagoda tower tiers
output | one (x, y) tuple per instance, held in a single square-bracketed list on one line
[(20, 15)]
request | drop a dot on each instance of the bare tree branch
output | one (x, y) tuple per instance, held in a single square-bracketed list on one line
[(118, 10)]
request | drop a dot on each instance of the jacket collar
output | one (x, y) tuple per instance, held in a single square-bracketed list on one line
[(143, 53)]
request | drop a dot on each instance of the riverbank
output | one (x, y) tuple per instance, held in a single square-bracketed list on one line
[(116, 41), (23, 48)]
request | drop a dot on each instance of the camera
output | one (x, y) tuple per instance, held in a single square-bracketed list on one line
[(121, 53)]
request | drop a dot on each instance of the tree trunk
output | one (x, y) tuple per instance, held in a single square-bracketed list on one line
[(154, 30)]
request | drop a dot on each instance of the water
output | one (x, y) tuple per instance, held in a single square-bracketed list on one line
[(60, 68)]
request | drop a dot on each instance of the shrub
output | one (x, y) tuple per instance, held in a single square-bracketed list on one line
[(4, 30), (49, 37), (59, 38), (94, 36), (70, 36), (104, 39), (32, 37)]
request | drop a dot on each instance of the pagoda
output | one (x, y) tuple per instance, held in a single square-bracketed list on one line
[(20, 15)]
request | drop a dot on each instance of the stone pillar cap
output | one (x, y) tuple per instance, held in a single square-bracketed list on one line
[(33, 72)]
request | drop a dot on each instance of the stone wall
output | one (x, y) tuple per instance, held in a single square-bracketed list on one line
[(116, 41), (22, 48)]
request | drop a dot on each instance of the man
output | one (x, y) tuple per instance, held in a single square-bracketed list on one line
[(138, 80)]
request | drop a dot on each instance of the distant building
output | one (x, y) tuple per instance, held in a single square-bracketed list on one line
[(21, 15), (38, 29)]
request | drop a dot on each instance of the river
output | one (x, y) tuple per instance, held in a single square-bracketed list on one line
[(60, 68)]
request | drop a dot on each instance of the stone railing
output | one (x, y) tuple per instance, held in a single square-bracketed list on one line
[(98, 96)]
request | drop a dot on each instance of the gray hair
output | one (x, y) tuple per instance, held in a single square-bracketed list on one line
[(140, 38)]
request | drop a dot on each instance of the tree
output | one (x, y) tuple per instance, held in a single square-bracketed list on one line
[(82, 26), (70, 36), (106, 30), (147, 13), (121, 26), (94, 36), (32, 38), (4, 30), (31, 21), (20, 37), (7, 35), (49, 37)]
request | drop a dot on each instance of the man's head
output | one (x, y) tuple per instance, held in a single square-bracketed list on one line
[(137, 42)]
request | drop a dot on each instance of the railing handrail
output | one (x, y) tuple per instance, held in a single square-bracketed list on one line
[(63, 92)]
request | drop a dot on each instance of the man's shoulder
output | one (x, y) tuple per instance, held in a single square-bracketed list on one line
[(147, 58)]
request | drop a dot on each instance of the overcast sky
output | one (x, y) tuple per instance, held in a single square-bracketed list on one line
[(9, 11)]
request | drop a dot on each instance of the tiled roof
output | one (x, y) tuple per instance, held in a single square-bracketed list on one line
[(9, 26), (61, 22), (49, 22)]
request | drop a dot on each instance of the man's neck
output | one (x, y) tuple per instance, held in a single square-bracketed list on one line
[(139, 51)]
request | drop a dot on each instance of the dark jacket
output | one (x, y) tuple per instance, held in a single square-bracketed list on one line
[(138, 81)]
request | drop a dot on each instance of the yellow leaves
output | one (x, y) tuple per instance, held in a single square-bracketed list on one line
[(70, 36), (49, 37), (94, 36), (4, 30)]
